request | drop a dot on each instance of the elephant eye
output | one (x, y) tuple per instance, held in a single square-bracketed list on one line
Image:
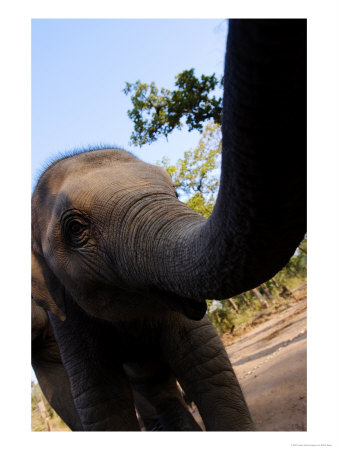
[(75, 228)]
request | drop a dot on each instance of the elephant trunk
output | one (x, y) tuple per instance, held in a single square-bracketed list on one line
[(260, 214)]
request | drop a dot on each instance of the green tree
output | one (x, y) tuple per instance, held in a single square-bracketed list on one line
[(195, 176), (297, 265), (159, 111)]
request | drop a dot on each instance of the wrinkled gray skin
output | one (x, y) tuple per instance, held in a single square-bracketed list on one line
[(123, 268), (54, 381)]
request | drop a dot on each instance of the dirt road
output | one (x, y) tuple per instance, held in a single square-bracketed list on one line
[(270, 362)]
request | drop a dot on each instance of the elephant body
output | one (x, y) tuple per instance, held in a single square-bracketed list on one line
[(111, 368), (122, 268)]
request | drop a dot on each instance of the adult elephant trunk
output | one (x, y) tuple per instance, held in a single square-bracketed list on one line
[(260, 214)]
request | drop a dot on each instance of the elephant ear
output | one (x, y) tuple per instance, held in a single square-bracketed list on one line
[(47, 291)]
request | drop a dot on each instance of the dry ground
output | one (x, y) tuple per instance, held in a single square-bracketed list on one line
[(270, 363)]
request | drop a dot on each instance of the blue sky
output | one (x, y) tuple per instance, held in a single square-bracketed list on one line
[(79, 69)]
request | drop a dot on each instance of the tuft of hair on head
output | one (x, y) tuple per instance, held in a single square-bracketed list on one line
[(53, 159)]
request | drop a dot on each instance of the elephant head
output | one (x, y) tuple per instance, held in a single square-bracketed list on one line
[(109, 230), (106, 216)]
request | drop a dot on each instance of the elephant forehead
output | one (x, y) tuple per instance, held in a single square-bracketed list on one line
[(100, 182), (86, 180), (105, 189), (106, 167)]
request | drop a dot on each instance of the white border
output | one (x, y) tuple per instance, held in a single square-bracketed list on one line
[(15, 221)]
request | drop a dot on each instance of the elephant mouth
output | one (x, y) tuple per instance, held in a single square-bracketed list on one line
[(191, 308)]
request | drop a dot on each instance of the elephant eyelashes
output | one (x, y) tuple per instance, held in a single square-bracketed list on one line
[(75, 228)]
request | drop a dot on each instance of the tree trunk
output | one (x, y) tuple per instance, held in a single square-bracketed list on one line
[(260, 297), (233, 304), (276, 284), (266, 291), (44, 413), (244, 299)]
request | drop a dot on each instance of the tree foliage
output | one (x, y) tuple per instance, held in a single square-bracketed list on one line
[(159, 111), (196, 177), (297, 265)]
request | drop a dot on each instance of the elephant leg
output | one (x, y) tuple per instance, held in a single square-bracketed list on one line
[(51, 374), (101, 390), (54, 382), (147, 413), (155, 383), (202, 367)]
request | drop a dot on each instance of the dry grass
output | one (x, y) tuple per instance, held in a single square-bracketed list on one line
[(276, 306)]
